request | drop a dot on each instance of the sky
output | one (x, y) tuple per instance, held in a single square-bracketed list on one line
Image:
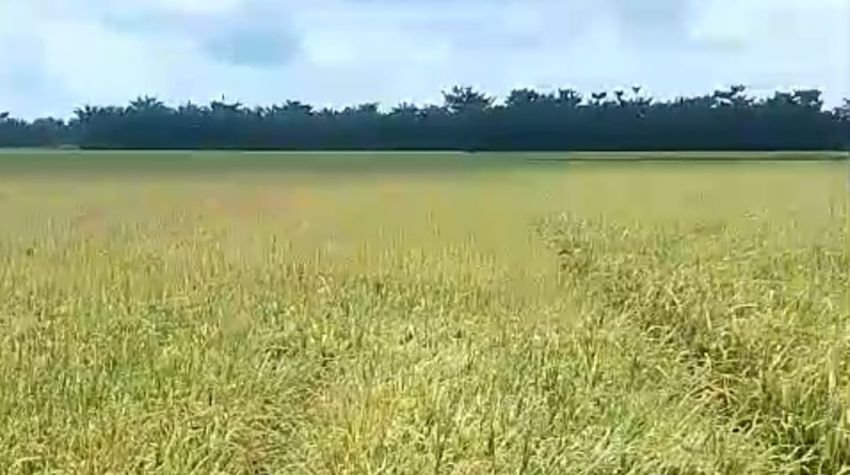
[(60, 54)]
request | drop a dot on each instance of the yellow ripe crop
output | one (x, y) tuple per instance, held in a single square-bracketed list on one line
[(291, 313)]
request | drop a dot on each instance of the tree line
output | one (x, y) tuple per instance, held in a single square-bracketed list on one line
[(727, 119)]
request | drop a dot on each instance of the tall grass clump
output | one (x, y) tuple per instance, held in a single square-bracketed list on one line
[(756, 315)]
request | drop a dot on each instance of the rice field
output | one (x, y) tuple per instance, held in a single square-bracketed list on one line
[(422, 313)]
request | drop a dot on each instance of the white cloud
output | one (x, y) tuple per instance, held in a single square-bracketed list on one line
[(195, 6), (59, 54)]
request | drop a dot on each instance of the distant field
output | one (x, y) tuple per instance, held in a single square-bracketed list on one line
[(422, 313), (23, 161)]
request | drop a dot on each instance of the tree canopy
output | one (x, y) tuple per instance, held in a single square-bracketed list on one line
[(467, 119)]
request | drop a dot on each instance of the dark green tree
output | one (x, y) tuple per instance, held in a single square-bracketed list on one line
[(467, 119)]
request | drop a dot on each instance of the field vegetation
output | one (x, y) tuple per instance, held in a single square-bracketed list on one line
[(275, 314)]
